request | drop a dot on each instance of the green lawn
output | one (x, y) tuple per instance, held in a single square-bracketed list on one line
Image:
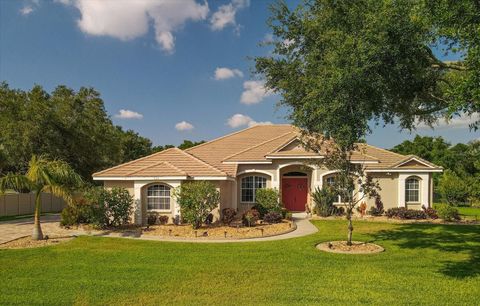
[(469, 213), (422, 264)]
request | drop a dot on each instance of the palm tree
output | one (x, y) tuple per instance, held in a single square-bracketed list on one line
[(43, 175)]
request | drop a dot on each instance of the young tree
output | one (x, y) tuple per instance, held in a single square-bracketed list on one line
[(351, 182), (43, 175), (197, 199)]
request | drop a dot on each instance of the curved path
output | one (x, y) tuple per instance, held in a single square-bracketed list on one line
[(10, 230)]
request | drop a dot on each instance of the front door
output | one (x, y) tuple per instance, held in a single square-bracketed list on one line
[(294, 193)]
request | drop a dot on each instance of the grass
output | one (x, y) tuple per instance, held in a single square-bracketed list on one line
[(423, 264), (468, 213)]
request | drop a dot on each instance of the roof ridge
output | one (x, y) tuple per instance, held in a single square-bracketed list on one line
[(382, 149), (175, 167), (201, 161), (284, 144), (130, 162), (144, 167), (256, 146), (237, 132), (222, 137)]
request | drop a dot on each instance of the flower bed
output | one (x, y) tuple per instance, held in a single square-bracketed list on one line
[(234, 231)]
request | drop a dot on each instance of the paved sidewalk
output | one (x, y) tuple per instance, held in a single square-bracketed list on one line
[(10, 230)]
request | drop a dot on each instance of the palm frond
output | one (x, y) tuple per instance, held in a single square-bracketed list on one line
[(16, 182)]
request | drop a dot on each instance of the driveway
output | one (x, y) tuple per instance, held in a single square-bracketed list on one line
[(10, 230)]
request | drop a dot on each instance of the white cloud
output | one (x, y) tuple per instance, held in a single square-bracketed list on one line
[(225, 15), (127, 20), (223, 73), (184, 126), (254, 92), (29, 7), (26, 10), (239, 120), (462, 121), (128, 114)]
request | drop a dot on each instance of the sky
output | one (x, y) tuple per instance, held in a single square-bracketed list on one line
[(170, 70)]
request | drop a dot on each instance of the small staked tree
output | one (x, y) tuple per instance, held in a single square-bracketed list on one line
[(43, 175), (351, 182)]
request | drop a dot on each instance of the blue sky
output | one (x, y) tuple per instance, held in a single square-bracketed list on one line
[(158, 63)]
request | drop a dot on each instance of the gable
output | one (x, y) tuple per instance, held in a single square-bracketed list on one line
[(413, 164)]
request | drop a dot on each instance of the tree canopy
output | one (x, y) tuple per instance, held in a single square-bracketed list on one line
[(340, 64), (68, 125)]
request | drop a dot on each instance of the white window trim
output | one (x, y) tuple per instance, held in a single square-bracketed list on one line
[(418, 190), (169, 197), (254, 188)]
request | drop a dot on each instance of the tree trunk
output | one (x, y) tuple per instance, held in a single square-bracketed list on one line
[(37, 230), (350, 228)]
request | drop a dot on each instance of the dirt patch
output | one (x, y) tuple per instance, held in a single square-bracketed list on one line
[(357, 247), (219, 231), (27, 242)]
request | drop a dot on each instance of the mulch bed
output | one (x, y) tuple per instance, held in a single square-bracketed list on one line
[(234, 231), (27, 242), (401, 221), (357, 247)]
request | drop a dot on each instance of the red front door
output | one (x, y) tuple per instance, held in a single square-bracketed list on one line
[(294, 193)]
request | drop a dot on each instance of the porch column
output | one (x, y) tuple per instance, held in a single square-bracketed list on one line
[(137, 201)]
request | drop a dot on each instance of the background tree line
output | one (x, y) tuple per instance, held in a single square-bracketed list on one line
[(69, 125), (460, 182)]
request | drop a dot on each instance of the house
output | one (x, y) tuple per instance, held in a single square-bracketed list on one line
[(263, 156)]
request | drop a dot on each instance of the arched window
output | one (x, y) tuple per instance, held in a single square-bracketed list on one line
[(158, 197), (412, 190), (249, 186)]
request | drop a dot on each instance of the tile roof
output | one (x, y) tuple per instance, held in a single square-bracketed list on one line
[(215, 151), (170, 162), (218, 157)]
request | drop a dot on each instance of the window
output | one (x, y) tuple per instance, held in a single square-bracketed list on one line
[(330, 181), (412, 190), (158, 197), (249, 186)]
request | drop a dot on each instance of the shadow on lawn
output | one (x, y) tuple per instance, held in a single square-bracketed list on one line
[(451, 239)]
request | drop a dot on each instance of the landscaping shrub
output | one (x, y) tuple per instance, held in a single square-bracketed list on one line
[(100, 207), (377, 210), (228, 215), (404, 213), (118, 204), (152, 218), (453, 189), (273, 217), (284, 212), (196, 199), (261, 210), (267, 200), (430, 212), (448, 212), (156, 218), (250, 217), (323, 199), (163, 219), (76, 213)]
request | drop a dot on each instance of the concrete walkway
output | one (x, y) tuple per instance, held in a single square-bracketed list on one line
[(10, 230)]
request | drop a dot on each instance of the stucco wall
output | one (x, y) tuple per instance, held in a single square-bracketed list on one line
[(389, 189)]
